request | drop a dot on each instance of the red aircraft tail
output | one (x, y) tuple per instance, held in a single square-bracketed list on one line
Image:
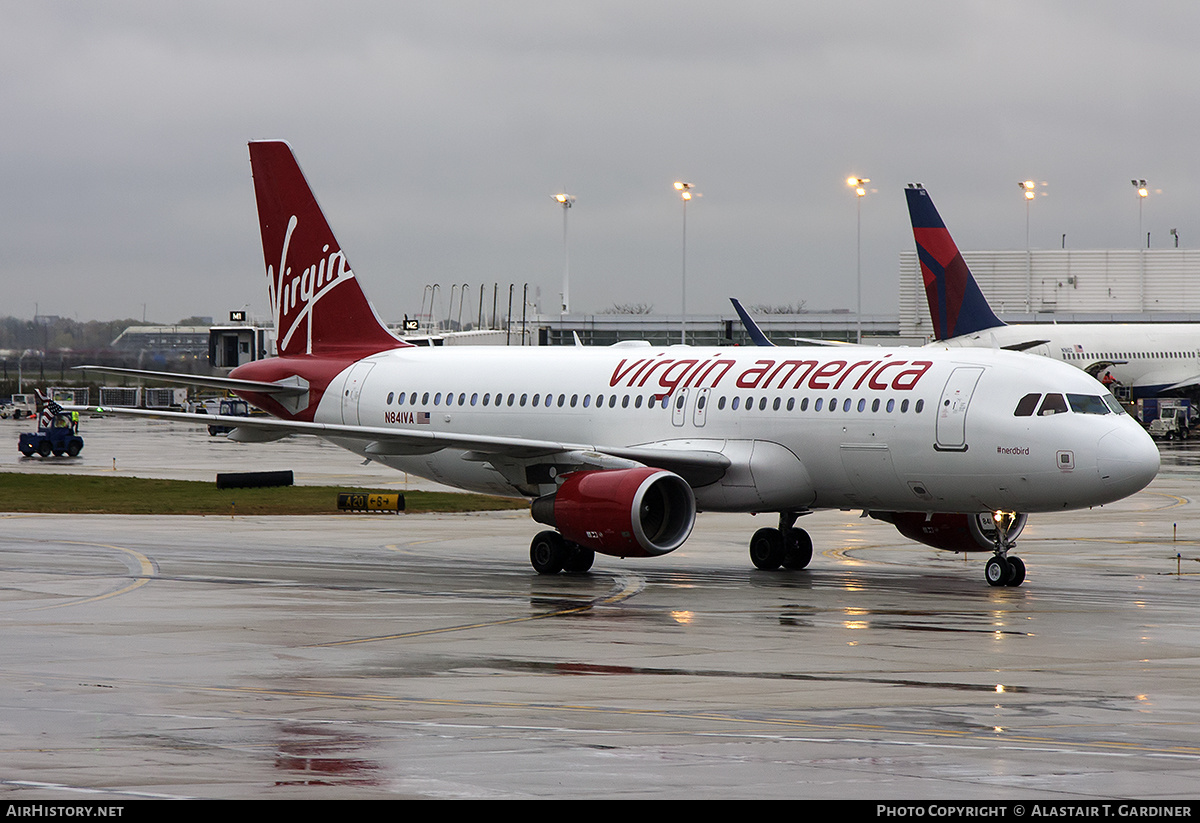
[(316, 302)]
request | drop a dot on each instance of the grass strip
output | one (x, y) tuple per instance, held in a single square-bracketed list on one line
[(89, 494)]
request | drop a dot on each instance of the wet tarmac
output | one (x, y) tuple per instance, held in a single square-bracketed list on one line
[(362, 656)]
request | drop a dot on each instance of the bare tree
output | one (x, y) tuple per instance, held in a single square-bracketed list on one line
[(629, 308)]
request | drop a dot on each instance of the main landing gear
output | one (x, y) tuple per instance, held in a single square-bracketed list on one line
[(1004, 569), (551, 553), (785, 546)]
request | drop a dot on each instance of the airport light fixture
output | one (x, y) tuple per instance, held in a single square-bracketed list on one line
[(1029, 188), (860, 191), (1142, 193), (685, 194), (566, 201)]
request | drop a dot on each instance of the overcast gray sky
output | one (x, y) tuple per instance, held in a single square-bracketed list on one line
[(434, 134)]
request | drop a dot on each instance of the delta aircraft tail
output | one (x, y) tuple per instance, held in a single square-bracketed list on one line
[(956, 304), (316, 302)]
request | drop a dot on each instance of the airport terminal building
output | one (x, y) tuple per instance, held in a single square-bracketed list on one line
[(1069, 286)]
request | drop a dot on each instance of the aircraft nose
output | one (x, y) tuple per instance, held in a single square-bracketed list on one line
[(1127, 460)]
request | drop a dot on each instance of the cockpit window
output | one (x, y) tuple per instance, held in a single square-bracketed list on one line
[(1088, 404), (1053, 404), (1026, 405), (1114, 404)]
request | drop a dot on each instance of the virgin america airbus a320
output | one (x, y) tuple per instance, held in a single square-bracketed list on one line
[(618, 447)]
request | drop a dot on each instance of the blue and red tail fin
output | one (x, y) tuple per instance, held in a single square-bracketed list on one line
[(956, 305), (316, 301)]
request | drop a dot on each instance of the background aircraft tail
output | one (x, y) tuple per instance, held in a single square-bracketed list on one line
[(956, 304), (316, 302)]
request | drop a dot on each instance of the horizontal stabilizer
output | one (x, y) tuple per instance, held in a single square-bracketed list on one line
[(1026, 346)]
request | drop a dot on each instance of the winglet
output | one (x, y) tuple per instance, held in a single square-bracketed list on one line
[(317, 304), (956, 304), (756, 334)]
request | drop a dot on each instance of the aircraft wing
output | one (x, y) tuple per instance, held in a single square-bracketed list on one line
[(817, 341), (291, 388), (1184, 384), (697, 467)]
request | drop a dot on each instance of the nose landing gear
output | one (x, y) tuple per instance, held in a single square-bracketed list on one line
[(1003, 569)]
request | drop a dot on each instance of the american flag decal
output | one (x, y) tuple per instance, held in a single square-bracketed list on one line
[(423, 417)]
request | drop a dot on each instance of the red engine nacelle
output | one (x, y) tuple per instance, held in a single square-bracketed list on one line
[(954, 532), (641, 512)]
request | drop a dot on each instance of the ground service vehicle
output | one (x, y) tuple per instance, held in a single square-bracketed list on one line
[(60, 437)]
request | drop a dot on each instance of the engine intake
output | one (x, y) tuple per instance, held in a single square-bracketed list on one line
[(642, 512), (955, 531)]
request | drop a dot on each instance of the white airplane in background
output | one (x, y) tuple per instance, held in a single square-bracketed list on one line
[(1150, 358), (619, 447)]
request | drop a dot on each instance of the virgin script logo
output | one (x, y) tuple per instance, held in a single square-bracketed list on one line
[(293, 296)]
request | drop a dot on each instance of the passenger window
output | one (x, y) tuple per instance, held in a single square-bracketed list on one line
[(1026, 405), (1053, 404)]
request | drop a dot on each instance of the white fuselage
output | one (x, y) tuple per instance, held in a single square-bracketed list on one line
[(1149, 358), (908, 429)]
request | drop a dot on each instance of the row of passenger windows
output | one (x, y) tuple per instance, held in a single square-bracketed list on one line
[(1057, 404), (650, 401), (1131, 355)]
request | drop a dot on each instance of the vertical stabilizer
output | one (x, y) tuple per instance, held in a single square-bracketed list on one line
[(316, 302), (956, 305), (752, 328)]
